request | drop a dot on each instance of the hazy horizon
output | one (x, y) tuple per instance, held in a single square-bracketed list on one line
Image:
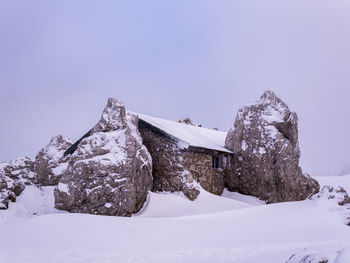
[(60, 61)]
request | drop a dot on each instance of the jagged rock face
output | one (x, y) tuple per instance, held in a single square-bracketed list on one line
[(188, 121), (113, 117), (264, 140), (14, 176), (110, 173), (50, 164)]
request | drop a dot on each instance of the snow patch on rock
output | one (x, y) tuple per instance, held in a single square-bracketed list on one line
[(264, 139), (14, 176), (110, 172), (50, 162)]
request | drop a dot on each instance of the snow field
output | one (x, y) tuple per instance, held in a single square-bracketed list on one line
[(233, 228)]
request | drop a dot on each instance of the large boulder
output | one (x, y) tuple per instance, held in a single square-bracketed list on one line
[(264, 140), (50, 162), (14, 176), (110, 172)]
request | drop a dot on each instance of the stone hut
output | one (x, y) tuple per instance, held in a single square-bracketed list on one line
[(112, 168), (185, 156), (259, 156)]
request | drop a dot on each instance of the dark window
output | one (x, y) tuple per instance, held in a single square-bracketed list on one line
[(216, 162)]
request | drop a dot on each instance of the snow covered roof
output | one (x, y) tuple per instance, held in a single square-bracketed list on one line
[(189, 135)]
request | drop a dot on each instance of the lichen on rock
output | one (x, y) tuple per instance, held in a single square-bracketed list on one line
[(264, 140)]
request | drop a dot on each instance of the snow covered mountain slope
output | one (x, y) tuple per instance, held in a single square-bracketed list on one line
[(211, 229)]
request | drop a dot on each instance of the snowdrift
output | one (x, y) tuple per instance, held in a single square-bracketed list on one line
[(170, 228)]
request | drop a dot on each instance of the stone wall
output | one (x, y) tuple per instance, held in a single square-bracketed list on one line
[(176, 169), (201, 167)]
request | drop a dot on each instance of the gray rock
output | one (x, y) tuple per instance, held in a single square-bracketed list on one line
[(14, 176), (318, 255), (264, 140), (188, 121), (5, 193), (113, 117), (339, 194), (110, 173), (50, 164), (309, 256)]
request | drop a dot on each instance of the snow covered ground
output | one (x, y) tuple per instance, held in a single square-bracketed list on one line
[(232, 228)]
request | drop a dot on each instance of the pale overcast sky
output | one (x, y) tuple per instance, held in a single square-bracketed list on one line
[(61, 60)]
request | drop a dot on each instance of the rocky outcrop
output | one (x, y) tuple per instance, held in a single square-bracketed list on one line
[(14, 176), (311, 256), (338, 194), (110, 173), (188, 121), (264, 140), (50, 164), (47, 169), (321, 255)]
